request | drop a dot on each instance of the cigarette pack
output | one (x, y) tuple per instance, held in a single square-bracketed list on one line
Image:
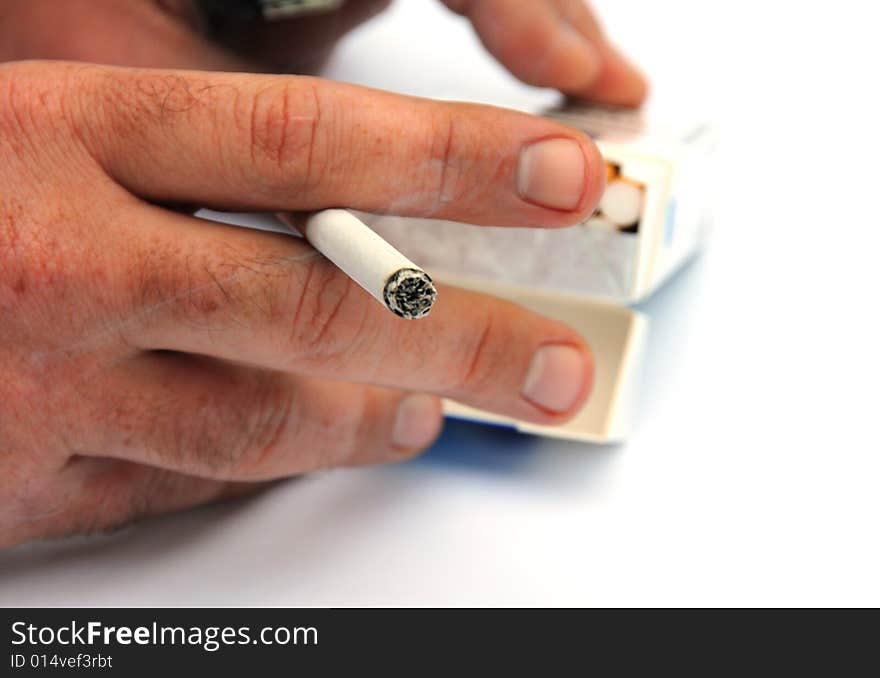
[(652, 218)]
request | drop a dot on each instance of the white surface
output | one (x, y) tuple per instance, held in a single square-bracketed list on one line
[(752, 477)]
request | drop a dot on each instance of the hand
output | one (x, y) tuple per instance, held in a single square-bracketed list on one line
[(150, 360), (555, 43), (548, 43)]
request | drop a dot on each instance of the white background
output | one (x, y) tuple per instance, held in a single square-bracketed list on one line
[(752, 475)]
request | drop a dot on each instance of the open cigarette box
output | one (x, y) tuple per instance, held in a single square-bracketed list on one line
[(652, 218)]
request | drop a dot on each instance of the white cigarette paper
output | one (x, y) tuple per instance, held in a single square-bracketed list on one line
[(404, 288)]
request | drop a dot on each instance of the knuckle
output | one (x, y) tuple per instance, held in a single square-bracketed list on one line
[(452, 159), (248, 447), (330, 317), (333, 434), (281, 124), (265, 424), (360, 442), (212, 289), (481, 358), (231, 433)]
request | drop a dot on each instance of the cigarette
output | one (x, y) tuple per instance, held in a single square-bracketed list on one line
[(621, 202), (392, 279)]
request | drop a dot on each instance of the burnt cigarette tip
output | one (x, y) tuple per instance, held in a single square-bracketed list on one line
[(410, 293)]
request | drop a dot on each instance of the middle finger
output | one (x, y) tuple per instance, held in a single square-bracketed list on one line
[(269, 300)]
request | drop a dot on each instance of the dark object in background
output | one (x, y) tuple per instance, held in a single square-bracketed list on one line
[(224, 11)]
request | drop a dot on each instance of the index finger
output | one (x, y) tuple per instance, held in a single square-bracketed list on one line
[(257, 142)]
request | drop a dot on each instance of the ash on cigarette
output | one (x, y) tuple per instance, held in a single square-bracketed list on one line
[(410, 293)]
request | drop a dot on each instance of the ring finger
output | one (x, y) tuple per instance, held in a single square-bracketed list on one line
[(223, 421)]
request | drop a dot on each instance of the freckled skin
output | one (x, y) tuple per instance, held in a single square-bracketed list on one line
[(58, 277)]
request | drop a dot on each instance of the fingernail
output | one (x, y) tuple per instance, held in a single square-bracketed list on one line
[(551, 173), (418, 421), (555, 378)]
